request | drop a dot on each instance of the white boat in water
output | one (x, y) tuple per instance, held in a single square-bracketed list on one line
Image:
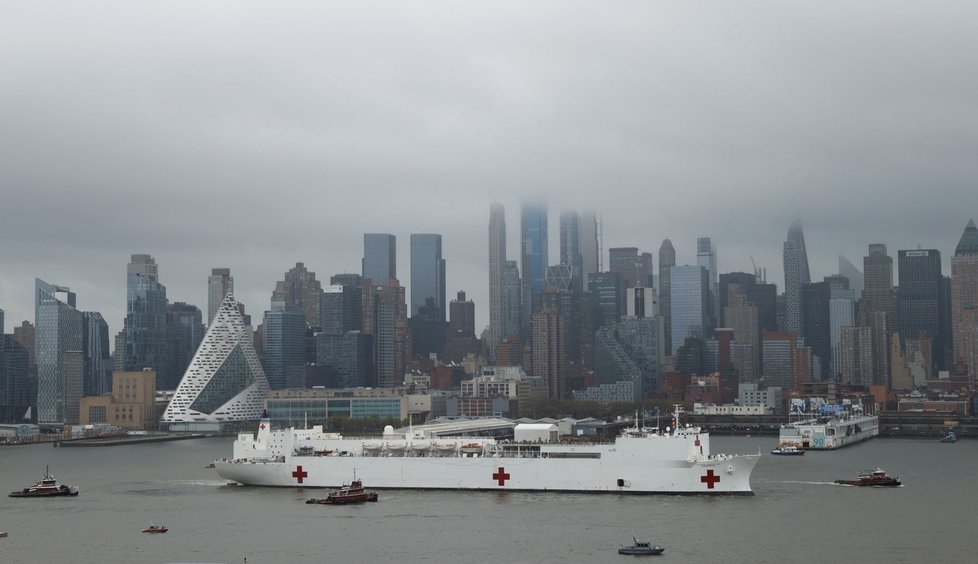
[(834, 428), (640, 460)]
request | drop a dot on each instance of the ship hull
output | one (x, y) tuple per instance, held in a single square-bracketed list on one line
[(728, 476)]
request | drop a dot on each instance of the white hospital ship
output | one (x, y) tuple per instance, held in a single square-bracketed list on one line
[(640, 460)]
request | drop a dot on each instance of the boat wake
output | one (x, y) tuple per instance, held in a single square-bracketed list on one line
[(808, 483)]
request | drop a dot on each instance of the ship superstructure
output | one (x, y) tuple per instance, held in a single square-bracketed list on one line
[(640, 460)]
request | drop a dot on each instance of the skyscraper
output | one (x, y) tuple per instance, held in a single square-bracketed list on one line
[(342, 307), (842, 311), (964, 297), (301, 288), (549, 351), (570, 244), (58, 345), (219, 283), (878, 292), (497, 264), (379, 257), (815, 298), (224, 382), (391, 334), (590, 246), (146, 321), (427, 273), (534, 263), (854, 275), (690, 299), (667, 260), (795, 276), (706, 256), (285, 330), (919, 303), (624, 261), (185, 331), (98, 361)]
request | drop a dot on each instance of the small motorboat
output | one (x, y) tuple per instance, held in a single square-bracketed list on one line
[(155, 529), (788, 450), (46, 487), (640, 548), (876, 478)]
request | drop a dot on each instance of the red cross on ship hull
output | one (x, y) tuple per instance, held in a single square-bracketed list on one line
[(501, 476), (710, 479)]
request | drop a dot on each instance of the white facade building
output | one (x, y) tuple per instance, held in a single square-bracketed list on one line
[(225, 381)]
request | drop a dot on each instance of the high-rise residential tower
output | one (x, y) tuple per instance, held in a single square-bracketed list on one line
[(224, 382), (427, 273), (379, 257), (219, 283), (796, 275), (964, 297), (59, 358), (534, 263), (497, 264)]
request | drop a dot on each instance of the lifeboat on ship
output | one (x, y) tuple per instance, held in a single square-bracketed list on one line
[(471, 448), (421, 446)]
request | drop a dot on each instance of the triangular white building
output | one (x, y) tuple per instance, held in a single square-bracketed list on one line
[(225, 381)]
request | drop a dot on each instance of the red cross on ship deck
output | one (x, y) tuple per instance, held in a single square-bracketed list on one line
[(299, 474), (710, 479), (501, 476)]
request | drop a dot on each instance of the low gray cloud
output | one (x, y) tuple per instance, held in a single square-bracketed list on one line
[(254, 136)]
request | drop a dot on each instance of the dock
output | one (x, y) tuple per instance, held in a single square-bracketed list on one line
[(130, 440)]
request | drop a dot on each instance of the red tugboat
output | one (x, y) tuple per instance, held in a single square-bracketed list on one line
[(152, 528), (353, 493), (46, 487), (876, 478)]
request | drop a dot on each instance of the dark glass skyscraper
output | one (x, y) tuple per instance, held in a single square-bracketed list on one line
[(427, 273), (533, 236), (379, 258), (98, 361), (145, 326), (285, 352), (919, 304)]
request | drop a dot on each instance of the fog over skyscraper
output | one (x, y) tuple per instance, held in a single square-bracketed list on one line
[(497, 262), (796, 275), (590, 246), (534, 249)]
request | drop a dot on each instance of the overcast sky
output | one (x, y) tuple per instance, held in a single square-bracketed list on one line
[(255, 135)]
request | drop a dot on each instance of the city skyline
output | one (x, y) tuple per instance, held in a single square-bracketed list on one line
[(260, 303), (674, 122)]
